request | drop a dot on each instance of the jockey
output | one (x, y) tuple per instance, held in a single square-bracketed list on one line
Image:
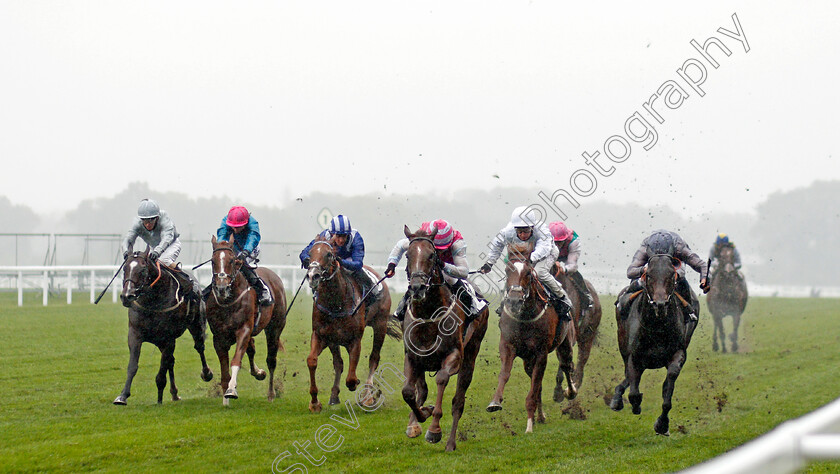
[(350, 250), (668, 243), (451, 249), (568, 245), (154, 227), (523, 227), (245, 230), (722, 241)]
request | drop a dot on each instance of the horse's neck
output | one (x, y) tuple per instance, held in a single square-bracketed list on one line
[(437, 298), (161, 290), (332, 293)]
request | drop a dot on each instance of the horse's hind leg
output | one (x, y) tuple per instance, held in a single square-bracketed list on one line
[(134, 344), (565, 357), (338, 367), (167, 365), (465, 376), (414, 398), (617, 403), (421, 393), (585, 341), (272, 340), (674, 368), (379, 329), (634, 376), (354, 351), (257, 372), (197, 331)]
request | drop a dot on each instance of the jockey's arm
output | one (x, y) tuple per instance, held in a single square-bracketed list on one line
[(572, 258), (168, 233), (131, 235), (684, 253), (497, 246), (460, 268), (357, 254), (545, 243), (637, 266)]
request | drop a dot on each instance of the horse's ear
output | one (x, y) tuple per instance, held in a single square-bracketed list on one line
[(434, 232), (407, 232), (213, 240)]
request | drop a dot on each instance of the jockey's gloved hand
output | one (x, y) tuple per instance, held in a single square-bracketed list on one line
[(485, 268), (125, 254), (391, 270), (305, 264), (153, 255), (704, 285), (243, 255)]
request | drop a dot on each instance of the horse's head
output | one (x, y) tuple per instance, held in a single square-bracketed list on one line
[(138, 272), (519, 278), (423, 265), (225, 268), (323, 263), (726, 259), (660, 279)]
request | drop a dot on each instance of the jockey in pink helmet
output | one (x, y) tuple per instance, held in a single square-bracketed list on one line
[(240, 225), (452, 251), (568, 245)]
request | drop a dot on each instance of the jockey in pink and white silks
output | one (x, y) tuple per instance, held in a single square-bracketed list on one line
[(452, 251), (569, 248), (524, 227)]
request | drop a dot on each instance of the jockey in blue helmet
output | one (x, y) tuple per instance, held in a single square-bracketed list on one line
[(722, 241), (350, 250)]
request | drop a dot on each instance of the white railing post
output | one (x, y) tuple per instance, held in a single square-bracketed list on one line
[(92, 288), (69, 286), (46, 287), (20, 288)]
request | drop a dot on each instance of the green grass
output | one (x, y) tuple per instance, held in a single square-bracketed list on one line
[(63, 365)]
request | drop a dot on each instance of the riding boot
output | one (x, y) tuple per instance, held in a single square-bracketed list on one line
[(562, 305), (623, 301), (365, 284), (399, 313), (188, 286), (258, 285), (586, 300), (684, 289)]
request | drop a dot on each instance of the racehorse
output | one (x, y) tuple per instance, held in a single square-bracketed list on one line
[(654, 335), (728, 297), (436, 338), (586, 328), (531, 330), (335, 323), (158, 312), (236, 318)]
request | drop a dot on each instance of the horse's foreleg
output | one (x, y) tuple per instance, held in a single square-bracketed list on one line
[(634, 376), (532, 399), (354, 351), (197, 331), (674, 368), (411, 394), (224, 365), (272, 341), (506, 355), (173, 390), (256, 372), (585, 339), (736, 320), (617, 403), (448, 368), (243, 337), (134, 344), (565, 357), (465, 376), (312, 362), (338, 367), (717, 332)]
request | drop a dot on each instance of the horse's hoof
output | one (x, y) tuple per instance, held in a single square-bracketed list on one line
[(413, 431), (617, 404), (231, 393), (450, 446), (541, 419), (571, 394), (176, 398), (661, 427), (558, 394), (207, 375), (529, 428), (315, 407), (352, 384), (120, 401), (259, 375), (637, 409), (433, 437), (493, 406), (334, 400)]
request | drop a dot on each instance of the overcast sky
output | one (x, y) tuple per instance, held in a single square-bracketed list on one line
[(268, 101)]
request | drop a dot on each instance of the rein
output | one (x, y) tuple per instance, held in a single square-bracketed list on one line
[(178, 299)]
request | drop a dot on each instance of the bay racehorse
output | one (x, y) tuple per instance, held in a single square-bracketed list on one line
[(653, 336), (159, 312), (339, 318), (727, 297), (437, 338), (531, 329), (236, 318), (586, 327)]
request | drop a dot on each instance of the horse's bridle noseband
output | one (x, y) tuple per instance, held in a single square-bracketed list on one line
[(437, 265), (676, 277), (331, 254), (223, 274)]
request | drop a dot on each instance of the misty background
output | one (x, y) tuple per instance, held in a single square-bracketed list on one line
[(790, 238)]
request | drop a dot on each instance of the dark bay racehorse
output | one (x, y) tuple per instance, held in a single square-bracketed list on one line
[(335, 324), (158, 312), (435, 339), (728, 297), (236, 318), (586, 328), (653, 336), (530, 330)]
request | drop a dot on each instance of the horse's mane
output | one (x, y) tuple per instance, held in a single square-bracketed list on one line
[(520, 251)]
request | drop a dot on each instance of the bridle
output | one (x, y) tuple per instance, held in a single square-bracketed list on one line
[(222, 274), (331, 261), (437, 264), (676, 277)]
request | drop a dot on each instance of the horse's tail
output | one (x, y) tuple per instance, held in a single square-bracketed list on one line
[(394, 328)]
